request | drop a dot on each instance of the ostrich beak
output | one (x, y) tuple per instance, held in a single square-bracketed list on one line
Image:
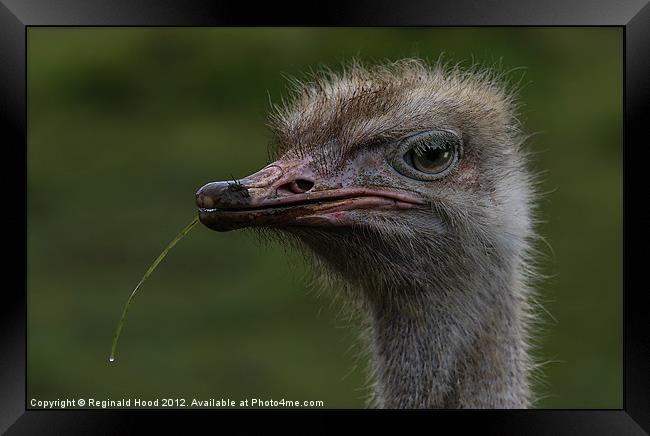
[(289, 193)]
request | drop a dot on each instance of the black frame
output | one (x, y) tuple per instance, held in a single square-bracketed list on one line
[(633, 15)]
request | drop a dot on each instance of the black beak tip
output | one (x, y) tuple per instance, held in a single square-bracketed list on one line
[(210, 194), (204, 201)]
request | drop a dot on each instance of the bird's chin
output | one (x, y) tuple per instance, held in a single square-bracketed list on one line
[(322, 213)]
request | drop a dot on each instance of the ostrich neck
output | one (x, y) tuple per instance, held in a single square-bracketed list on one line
[(457, 349)]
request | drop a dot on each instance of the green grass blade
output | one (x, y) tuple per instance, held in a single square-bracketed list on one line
[(153, 266)]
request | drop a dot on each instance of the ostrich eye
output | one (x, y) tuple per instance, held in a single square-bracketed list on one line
[(428, 155), (431, 158)]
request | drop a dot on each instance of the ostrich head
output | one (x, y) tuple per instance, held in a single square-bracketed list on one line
[(408, 184)]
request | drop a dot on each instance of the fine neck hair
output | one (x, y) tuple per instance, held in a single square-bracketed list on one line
[(442, 351), (442, 332)]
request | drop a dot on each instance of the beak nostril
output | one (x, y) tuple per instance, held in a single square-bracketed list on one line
[(304, 185), (298, 186)]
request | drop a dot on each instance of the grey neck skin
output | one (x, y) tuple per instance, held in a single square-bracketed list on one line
[(451, 352)]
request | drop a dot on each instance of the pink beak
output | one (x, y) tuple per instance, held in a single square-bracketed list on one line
[(290, 193)]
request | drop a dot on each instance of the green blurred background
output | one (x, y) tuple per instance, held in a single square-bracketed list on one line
[(124, 124)]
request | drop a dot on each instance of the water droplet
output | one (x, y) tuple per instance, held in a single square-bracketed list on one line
[(111, 359)]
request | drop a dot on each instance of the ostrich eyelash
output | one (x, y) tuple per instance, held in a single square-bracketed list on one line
[(422, 147)]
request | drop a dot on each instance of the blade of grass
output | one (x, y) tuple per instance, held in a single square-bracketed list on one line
[(153, 266)]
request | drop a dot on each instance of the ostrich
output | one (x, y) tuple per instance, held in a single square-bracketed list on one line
[(407, 185)]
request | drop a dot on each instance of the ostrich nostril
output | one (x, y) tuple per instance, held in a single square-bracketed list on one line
[(303, 185), (298, 186)]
